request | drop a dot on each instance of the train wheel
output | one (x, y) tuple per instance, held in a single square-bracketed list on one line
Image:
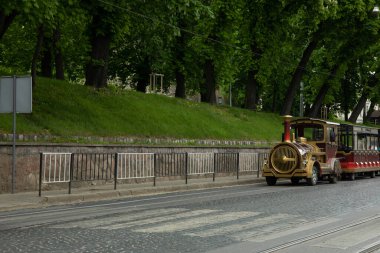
[(271, 180), (314, 177), (372, 174), (351, 176), (295, 180)]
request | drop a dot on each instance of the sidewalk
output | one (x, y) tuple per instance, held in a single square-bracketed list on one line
[(25, 200)]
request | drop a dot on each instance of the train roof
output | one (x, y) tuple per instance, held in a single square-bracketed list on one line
[(362, 129), (355, 128), (312, 120)]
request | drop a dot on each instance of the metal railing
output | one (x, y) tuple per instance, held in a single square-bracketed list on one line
[(226, 162), (93, 166), (77, 167), (54, 168), (135, 165)]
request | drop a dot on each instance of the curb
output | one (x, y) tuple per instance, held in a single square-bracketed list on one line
[(117, 194)]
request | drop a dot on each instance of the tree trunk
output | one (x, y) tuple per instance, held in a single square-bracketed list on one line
[(46, 61), (251, 91), (36, 54), (209, 85), (58, 57), (6, 21), (142, 74), (370, 111), (322, 93), (345, 95), (297, 75), (372, 82), (274, 96), (251, 88), (358, 108), (96, 69), (180, 91)]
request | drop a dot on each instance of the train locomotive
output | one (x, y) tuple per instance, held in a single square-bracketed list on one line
[(315, 149)]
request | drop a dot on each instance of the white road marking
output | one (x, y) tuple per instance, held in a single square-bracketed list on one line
[(147, 221), (125, 217), (234, 228), (253, 228), (261, 224), (197, 222)]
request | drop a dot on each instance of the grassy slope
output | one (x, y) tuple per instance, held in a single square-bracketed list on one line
[(64, 109)]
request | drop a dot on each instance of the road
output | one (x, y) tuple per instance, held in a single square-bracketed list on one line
[(343, 217)]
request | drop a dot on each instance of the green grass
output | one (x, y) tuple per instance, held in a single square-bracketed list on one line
[(64, 109)]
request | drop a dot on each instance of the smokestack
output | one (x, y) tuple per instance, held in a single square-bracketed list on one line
[(287, 128)]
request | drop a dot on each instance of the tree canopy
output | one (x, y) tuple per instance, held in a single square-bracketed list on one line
[(259, 51)]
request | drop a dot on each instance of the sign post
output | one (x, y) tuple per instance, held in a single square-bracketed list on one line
[(15, 97)]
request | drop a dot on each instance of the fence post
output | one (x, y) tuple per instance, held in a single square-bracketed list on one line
[(259, 157), (71, 171), (213, 175), (115, 171), (154, 169), (186, 163), (237, 168), (40, 183)]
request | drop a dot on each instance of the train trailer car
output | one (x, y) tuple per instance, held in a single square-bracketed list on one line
[(322, 150), (358, 151)]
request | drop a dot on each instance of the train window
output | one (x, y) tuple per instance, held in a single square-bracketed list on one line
[(312, 132), (362, 142), (372, 142), (331, 134), (346, 140)]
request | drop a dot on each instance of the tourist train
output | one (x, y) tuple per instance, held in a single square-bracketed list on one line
[(315, 149)]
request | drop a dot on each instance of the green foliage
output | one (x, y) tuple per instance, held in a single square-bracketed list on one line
[(264, 36), (66, 110)]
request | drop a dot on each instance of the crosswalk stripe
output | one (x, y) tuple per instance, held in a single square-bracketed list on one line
[(181, 219), (234, 228), (125, 217), (197, 222), (262, 224), (148, 221)]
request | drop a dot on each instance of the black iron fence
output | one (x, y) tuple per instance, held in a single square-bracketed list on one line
[(79, 167), (170, 164), (92, 166)]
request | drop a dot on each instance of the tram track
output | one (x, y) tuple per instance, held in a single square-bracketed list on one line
[(304, 239), (371, 248)]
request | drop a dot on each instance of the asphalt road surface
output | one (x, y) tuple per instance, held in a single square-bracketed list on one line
[(343, 217)]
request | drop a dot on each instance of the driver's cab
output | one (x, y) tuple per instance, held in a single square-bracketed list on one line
[(319, 133)]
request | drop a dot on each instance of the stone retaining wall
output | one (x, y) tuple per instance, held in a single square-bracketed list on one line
[(135, 140), (28, 155)]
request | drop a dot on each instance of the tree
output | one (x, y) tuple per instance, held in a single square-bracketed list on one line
[(6, 20), (214, 47), (31, 12), (368, 86), (297, 75), (341, 20), (317, 104), (260, 32), (107, 20)]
